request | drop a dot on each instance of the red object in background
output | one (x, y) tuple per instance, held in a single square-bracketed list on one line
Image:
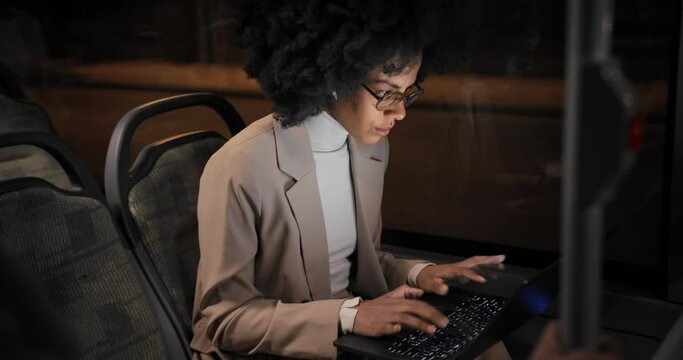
[(635, 133)]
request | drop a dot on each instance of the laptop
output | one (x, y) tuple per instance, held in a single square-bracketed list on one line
[(476, 322)]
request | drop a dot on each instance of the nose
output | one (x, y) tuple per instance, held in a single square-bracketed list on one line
[(399, 111)]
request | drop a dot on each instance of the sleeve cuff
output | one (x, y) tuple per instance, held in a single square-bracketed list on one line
[(347, 314), (414, 271)]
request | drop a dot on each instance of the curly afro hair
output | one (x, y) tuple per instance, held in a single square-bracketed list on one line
[(301, 51)]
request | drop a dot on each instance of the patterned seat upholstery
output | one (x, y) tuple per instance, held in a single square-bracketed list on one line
[(163, 204), (28, 324), (69, 244)]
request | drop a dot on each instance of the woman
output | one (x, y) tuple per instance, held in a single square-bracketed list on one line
[(289, 209)]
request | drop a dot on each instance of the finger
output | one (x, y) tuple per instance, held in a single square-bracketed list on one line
[(440, 287), (496, 259), (473, 275), (470, 261), (487, 271), (434, 284), (424, 311), (412, 293), (495, 267), (466, 273), (390, 329), (479, 260), (415, 323), (398, 293)]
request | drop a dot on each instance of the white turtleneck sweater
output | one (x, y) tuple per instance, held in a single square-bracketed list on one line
[(332, 168), (328, 140)]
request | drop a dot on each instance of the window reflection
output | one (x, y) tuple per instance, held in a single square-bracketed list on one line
[(480, 152)]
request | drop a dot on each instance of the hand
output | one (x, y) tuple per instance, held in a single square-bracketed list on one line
[(387, 314), (549, 347), (432, 278)]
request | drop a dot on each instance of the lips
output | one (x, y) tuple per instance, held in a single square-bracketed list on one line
[(384, 131)]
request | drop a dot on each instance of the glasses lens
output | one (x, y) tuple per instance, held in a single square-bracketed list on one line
[(389, 101), (412, 96)]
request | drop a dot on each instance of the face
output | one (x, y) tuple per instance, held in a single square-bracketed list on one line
[(359, 116)]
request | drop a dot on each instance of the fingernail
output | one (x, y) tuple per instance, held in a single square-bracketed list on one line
[(431, 329), (444, 322)]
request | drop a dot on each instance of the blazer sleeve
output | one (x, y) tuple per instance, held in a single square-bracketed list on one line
[(395, 270), (230, 313)]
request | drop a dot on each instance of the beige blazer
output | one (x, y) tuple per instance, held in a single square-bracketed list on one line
[(263, 282)]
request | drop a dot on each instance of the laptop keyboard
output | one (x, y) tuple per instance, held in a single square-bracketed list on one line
[(466, 322)]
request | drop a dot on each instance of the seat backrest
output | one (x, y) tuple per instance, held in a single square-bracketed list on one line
[(18, 116), (163, 203), (28, 160), (67, 241), (71, 245), (156, 198)]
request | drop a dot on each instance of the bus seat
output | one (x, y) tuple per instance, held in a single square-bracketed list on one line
[(156, 198), (66, 241)]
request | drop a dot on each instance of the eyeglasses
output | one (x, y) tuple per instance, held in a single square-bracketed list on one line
[(390, 99)]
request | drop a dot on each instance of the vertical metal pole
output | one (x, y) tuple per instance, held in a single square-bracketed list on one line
[(593, 113), (569, 226)]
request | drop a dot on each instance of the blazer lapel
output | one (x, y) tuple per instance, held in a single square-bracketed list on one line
[(295, 159), (367, 171)]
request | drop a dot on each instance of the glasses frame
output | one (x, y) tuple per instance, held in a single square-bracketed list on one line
[(407, 100)]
